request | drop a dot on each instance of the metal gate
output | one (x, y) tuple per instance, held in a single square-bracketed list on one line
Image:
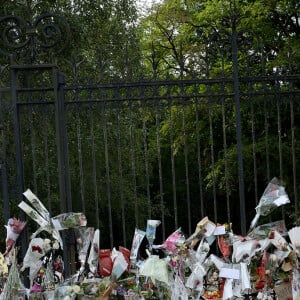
[(124, 152)]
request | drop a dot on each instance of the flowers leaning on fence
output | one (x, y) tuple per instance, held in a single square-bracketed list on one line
[(263, 264), (14, 228)]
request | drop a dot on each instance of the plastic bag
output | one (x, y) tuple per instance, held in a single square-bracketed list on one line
[(119, 264)]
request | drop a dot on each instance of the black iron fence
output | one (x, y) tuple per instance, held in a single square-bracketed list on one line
[(124, 152), (163, 149)]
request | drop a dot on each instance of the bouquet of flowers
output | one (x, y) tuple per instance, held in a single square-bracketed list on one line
[(40, 215), (273, 197), (14, 288), (151, 231), (294, 235), (37, 249), (14, 227), (93, 258), (69, 220), (84, 236), (3, 266)]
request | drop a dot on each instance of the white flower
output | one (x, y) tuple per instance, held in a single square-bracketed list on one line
[(55, 245), (76, 289), (47, 245), (69, 289)]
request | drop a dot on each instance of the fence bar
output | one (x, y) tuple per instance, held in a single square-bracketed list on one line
[(238, 128), (6, 207), (33, 151), (80, 162), (294, 154), (225, 161), (107, 173), (199, 163), (46, 154), (133, 165), (95, 184), (174, 193), (187, 179), (120, 171), (160, 174), (146, 160), (212, 157), (19, 151)]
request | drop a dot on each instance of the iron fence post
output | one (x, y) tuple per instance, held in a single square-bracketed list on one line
[(6, 206), (19, 156), (63, 165)]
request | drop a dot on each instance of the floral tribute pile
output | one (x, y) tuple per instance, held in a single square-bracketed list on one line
[(212, 263)]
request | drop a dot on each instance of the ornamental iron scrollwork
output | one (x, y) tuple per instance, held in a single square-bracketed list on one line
[(48, 34)]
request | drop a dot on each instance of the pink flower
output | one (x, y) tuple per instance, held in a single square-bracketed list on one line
[(14, 227), (36, 288)]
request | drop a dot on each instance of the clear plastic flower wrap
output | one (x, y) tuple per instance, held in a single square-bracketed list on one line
[(93, 259), (84, 236), (273, 197), (228, 289), (36, 250), (175, 240), (151, 231), (14, 288), (136, 242), (245, 278), (263, 231), (66, 292), (119, 264), (224, 246), (178, 289), (195, 280), (37, 204), (296, 284), (69, 220), (155, 268), (204, 228), (49, 280), (41, 218), (244, 250), (202, 250), (3, 267), (14, 228), (294, 235)]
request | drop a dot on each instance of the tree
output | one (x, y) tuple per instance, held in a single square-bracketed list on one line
[(194, 39)]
